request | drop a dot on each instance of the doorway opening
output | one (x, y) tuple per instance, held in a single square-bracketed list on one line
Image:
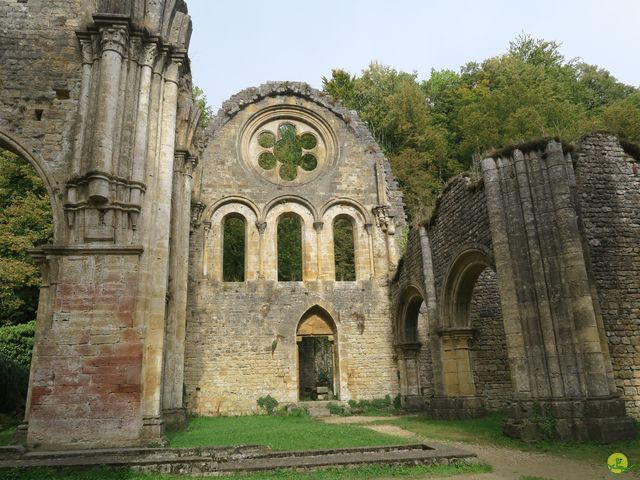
[(317, 356)]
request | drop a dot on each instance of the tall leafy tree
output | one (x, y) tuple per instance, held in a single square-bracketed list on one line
[(25, 222), (431, 130)]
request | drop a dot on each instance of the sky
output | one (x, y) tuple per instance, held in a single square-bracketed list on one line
[(243, 43)]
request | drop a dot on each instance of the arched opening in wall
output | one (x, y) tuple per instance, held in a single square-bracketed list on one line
[(26, 221), (474, 358), (407, 344), (489, 358), (290, 248), (317, 356), (344, 249), (233, 248)]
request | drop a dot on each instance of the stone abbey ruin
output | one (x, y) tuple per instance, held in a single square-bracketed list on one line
[(520, 292)]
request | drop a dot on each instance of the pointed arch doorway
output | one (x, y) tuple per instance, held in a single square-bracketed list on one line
[(317, 356)]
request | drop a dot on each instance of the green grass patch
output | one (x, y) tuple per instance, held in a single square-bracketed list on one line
[(279, 433), (8, 424), (489, 430), (366, 472)]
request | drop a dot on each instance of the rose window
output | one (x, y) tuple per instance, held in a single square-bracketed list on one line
[(287, 151)]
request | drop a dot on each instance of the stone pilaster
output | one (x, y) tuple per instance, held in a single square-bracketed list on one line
[(559, 369)]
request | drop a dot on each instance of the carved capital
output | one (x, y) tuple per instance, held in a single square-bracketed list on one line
[(384, 219), (261, 226), (115, 38), (318, 226), (149, 53), (86, 48), (196, 212)]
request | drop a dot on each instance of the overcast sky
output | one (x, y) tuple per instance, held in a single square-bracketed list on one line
[(243, 43)]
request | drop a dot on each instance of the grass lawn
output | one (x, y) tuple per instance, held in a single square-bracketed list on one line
[(5, 436), (367, 472), (489, 430), (8, 424), (280, 433)]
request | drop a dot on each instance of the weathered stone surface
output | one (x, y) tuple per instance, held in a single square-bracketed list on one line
[(241, 336)]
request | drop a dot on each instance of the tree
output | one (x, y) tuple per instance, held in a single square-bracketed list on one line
[(206, 111), (395, 107), (25, 222)]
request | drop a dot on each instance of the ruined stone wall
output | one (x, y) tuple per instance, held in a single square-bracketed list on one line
[(241, 336), (489, 346), (608, 194), (411, 273), (459, 222), (86, 90)]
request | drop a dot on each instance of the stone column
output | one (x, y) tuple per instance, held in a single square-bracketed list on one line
[(158, 261), (431, 303), (114, 39), (173, 411), (513, 329), (141, 141)]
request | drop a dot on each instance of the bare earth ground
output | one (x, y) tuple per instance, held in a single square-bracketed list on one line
[(507, 463)]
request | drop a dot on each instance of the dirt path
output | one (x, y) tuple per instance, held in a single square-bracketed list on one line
[(507, 463)]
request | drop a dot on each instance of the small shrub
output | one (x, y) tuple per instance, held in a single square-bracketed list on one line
[(16, 342), (376, 406), (292, 410), (268, 403), (336, 409)]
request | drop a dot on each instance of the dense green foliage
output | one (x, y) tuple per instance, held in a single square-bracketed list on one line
[(289, 249), (233, 250), (344, 250), (432, 129), (16, 342), (25, 222)]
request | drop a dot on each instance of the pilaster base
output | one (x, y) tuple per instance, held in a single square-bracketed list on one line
[(152, 433), (601, 420), (455, 408), (174, 418)]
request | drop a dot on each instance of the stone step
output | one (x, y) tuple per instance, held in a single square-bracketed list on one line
[(317, 408)]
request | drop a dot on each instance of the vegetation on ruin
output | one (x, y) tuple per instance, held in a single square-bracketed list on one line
[(432, 130), (278, 432), (377, 407), (366, 472)]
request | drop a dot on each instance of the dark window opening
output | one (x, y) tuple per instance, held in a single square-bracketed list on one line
[(289, 249), (233, 250), (344, 250)]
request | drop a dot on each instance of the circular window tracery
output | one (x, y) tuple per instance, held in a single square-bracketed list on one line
[(287, 145), (288, 149)]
